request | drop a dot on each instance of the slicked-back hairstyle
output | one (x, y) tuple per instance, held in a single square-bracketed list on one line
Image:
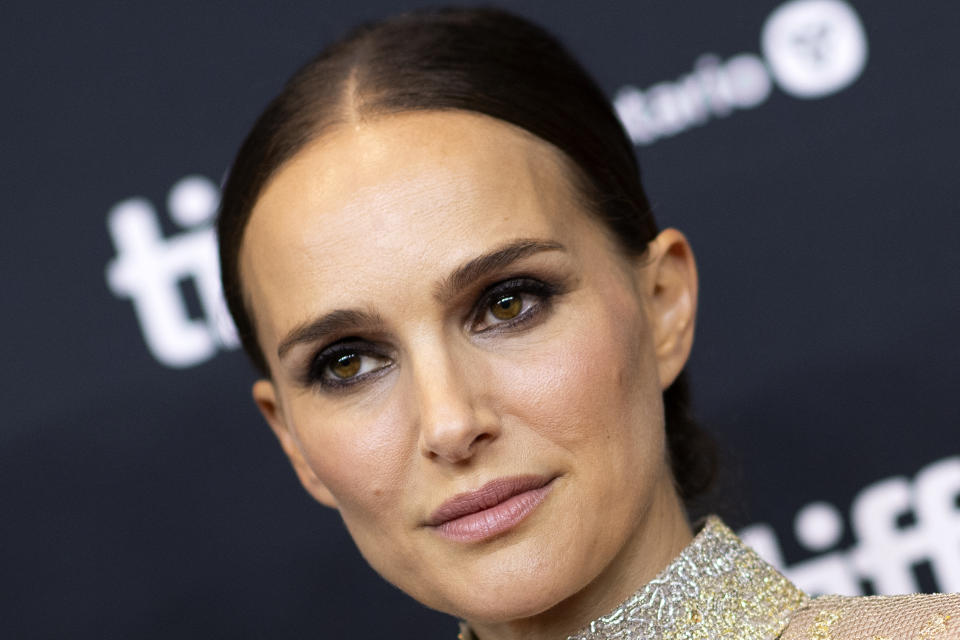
[(482, 60)]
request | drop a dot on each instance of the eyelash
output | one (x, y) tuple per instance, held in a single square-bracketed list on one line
[(543, 291), (318, 372)]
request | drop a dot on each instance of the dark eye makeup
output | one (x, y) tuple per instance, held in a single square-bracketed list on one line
[(347, 362), (507, 305)]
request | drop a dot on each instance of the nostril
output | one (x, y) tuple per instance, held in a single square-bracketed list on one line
[(481, 437), (452, 426)]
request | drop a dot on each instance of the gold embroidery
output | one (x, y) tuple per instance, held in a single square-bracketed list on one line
[(820, 629), (716, 588), (934, 626)]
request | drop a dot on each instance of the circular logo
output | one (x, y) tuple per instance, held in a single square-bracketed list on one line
[(193, 201), (814, 47), (819, 526)]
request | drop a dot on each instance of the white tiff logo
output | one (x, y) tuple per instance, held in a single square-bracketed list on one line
[(811, 48), (150, 269), (898, 524)]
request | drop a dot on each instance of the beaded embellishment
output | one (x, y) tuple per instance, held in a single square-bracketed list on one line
[(716, 588)]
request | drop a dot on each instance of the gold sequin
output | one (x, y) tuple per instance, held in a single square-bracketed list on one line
[(934, 626), (820, 629), (716, 588)]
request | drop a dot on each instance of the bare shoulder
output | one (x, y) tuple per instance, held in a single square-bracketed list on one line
[(912, 617)]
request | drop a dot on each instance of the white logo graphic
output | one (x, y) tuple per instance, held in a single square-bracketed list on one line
[(886, 551), (149, 269), (812, 48), (715, 88)]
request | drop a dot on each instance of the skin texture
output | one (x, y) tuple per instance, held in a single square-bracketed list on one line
[(375, 217)]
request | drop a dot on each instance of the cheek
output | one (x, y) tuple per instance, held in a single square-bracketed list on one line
[(592, 380), (358, 455)]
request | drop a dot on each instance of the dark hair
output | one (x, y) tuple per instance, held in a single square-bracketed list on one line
[(481, 60)]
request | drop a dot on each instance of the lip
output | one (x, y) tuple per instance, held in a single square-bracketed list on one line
[(494, 508)]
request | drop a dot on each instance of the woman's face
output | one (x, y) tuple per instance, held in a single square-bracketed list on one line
[(465, 365)]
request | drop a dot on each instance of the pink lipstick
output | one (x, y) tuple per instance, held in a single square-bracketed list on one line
[(492, 509)]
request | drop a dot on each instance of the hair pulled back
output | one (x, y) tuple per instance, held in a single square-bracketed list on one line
[(480, 60)]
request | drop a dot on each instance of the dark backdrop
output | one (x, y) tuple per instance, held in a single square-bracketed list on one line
[(810, 154)]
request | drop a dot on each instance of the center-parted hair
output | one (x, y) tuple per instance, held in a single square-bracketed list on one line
[(481, 60)]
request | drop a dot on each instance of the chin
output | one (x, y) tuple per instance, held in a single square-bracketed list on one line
[(515, 602), (515, 587)]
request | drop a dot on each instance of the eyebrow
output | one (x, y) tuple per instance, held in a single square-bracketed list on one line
[(327, 324), (492, 261), (342, 320)]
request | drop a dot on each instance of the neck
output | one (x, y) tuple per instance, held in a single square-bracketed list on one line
[(658, 539)]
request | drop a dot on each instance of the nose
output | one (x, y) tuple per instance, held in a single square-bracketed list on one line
[(454, 419)]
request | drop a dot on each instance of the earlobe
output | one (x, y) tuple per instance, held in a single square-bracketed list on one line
[(672, 292), (265, 396)]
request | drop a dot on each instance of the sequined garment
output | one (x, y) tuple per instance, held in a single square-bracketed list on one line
[(716, 588), (720, 589)]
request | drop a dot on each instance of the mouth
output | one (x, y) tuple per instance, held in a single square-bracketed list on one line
[(494, 508)]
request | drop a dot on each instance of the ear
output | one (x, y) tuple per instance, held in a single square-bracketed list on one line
[(671, 288), (265, 395)]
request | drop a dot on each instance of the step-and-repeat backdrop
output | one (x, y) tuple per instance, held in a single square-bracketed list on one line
[(808, 148)]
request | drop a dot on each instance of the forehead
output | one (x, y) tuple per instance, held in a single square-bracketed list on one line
[(393, 202)]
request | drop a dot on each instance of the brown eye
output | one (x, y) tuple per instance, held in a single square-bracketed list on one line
[(512, 305), (346, 366), (506, 307), (342, 365)]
